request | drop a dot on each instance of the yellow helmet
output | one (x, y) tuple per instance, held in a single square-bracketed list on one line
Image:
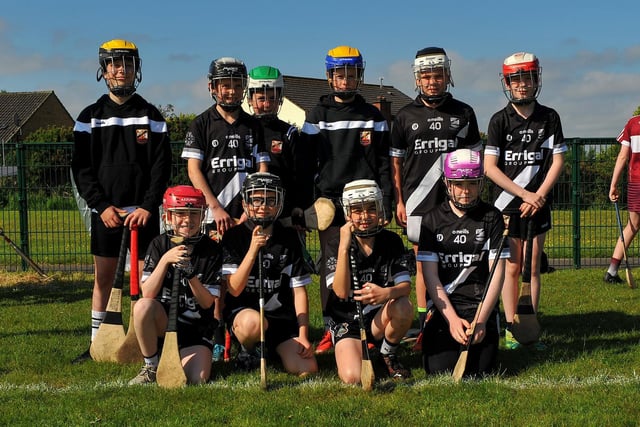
[(125, 51)]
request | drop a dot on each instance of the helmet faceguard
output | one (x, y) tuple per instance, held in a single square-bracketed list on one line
[(463, 165), (362, 203), (267, 83), (236, 72), (430, 60), (120, 53), (179, 205), (348, 60), (525, 68), (262, 198)]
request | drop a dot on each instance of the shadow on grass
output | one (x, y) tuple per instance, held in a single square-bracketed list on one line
[(37, 293), (570, 337)]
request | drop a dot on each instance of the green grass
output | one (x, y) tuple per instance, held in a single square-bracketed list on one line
[(588, 375)]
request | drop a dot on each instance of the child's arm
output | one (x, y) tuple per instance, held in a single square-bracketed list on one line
[(342, 277), (621, 162), (152, 285), (237, 281), (301, 303)]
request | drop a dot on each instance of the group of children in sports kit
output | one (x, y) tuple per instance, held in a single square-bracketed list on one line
[(234, 236)]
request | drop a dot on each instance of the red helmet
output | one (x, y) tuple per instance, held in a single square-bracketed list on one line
[(519, 65), (183, 198)]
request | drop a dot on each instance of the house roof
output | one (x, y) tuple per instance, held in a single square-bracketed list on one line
[(305, 93), (21, 105)]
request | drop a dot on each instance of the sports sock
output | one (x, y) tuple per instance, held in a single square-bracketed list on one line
[(151, 361), (387, 347), (96, 320), (614, 266)]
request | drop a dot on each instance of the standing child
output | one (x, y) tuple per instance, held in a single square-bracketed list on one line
[(343, 138), (223, 145), (524, 157), (385, 285), (184, 250), (458, 244), (434, 124), (629, 154), (285, 277), (121, 164)]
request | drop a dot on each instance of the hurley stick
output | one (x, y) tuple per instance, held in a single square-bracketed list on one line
[(367, 375), (24, 256), (111, 334), (525, 327), (263, 360), (461, 365), (627, 269), (129, 351), (170, 372)]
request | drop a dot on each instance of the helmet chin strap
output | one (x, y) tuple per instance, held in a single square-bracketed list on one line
[(437, 99)]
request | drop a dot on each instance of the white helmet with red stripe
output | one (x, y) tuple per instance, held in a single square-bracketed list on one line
[(525, 68)]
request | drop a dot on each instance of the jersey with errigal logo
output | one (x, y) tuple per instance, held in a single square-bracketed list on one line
[(228, 152), (525, 149)]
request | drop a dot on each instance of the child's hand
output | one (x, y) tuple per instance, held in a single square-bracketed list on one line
[(258, 239), (345, 234)]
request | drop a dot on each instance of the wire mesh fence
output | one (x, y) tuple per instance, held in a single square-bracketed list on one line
[(39, 213)]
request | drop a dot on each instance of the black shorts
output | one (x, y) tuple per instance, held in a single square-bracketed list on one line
[(279, 330), (351, 328), (105, 241), (440, 351), (541, 223), (190, 335)]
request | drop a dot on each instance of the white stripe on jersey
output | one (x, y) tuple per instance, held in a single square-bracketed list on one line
[(424, 188), (523, 178), (635, 143), (397, 152), (154, 125), (353, 124), (233, 187)]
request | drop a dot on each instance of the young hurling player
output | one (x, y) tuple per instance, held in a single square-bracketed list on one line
[(432, 125), (629, 154), (223, 145), (383, 284), (285, 277), (343, 139), (458, 244), (121, 164), (265, 94), (524, 157), (184, 250)]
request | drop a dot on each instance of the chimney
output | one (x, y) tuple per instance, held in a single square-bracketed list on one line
[(385, 108)]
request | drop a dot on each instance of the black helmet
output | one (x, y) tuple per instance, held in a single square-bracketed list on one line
[(227, 68), (270, 186)]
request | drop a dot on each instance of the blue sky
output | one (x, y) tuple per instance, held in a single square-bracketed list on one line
[(590, 53)]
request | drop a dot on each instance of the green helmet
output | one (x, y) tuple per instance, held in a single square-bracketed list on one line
[(269, 81)]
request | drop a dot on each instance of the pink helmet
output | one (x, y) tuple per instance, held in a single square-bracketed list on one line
[(463, 164)]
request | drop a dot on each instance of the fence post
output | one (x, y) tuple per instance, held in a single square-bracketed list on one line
[(22, 197), (575, 201)]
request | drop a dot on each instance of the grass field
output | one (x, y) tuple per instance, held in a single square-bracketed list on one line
[(588, 376)]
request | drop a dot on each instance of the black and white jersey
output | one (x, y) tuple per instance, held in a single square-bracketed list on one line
[(281, 140), (342, 142), (206, 257), (283, 269), (386, 266), (462, 247), (525, 149), (228, 152), (422, 136), (122, 155)]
